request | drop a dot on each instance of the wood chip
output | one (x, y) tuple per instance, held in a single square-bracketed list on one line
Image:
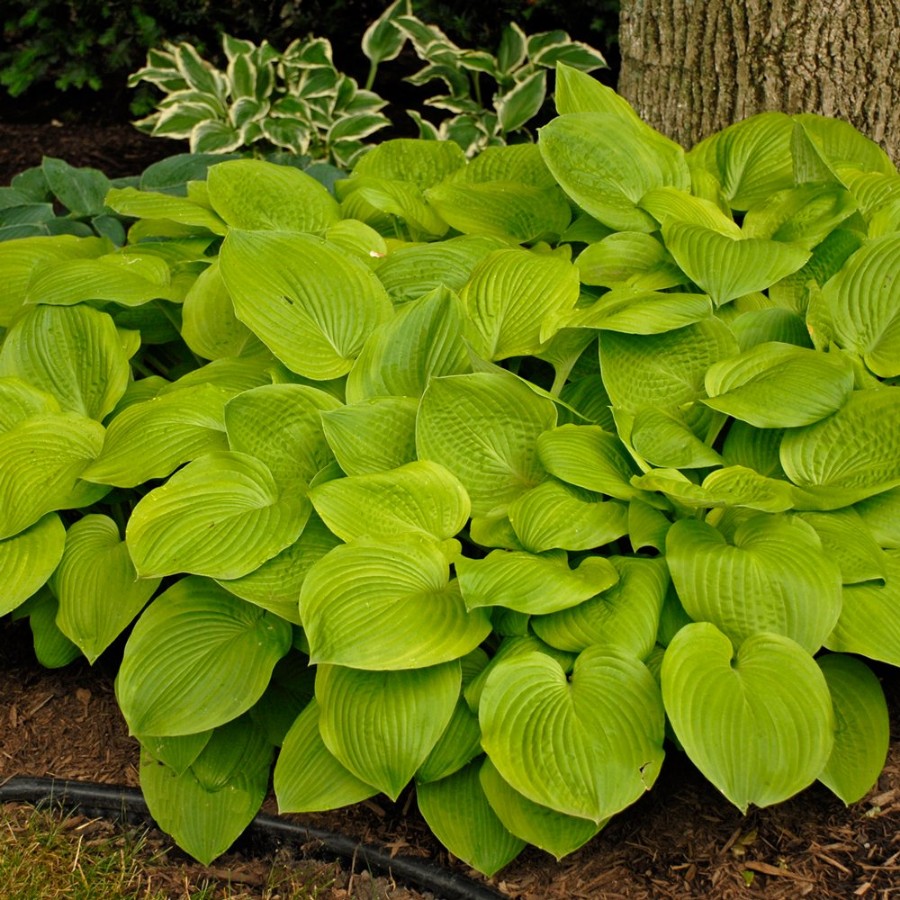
[(768, 869)]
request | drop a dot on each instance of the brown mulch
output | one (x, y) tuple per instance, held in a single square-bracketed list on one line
[(682, 840)]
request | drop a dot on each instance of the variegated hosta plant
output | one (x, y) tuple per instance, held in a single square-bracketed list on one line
[(480, 476)]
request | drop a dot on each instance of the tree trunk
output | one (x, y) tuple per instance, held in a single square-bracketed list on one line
[(691, 67)]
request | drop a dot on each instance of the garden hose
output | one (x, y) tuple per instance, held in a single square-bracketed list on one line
[(127, 804)]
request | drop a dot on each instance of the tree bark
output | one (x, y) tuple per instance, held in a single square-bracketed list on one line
[(691, 67)]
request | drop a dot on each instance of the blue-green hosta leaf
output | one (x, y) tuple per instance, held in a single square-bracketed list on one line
[(127, 277), (727, 267), (870, 616), (775, 385), (554, 832), (633, 258), (588, 457), (372, 435), (459, 813), (308, 777), (504, 209), (413, 270), (846, 539), (510, 296), (608, 715), (532, 584), (146, 204), (209, 325), (881, 515), (751, 159), (421, 496), (80, 190), (280, 424), (383, 725), (862, 734), (276, 584), (208, 806), (665, 438), (198, 657), (403, 585), (862, 305), (311, 304), (97, 586), (222, 515), (849, 456), (150, 439), (424, 339), (559, 515), (774, 577), (74, 353), (27, 560), (623, 619), (457, 746), (483, 427), (260, 196), (663, 370), (759, 724), (606, 164), (41, 460)]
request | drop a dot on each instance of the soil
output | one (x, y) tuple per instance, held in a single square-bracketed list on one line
[(682, 840)]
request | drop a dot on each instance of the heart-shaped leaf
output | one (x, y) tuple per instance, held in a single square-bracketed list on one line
[(209, 325), (774, 577), (97, 586), (759, 725), (222, 515), (608, 715), (198, 657), (383, 725)]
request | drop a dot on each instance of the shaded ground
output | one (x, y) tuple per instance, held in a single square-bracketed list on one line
[(681, 841)]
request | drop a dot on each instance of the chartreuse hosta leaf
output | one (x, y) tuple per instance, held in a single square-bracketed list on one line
[(633, 258), (404, 584), (421, 496), (483, 427), (532, 584), (74, 353), (757, 723), (668, 205), (309, 302), (98, 589), (372, 435), (27, 560), (198, 657), (52, 648), (663, 370), (382, 725), (881, 515), (848, 541), (861, 303), (851, 455), (20, 400), (588, 457), (587, 745), (209, 325), (457, 746), (178, 753), (155, 205), (510, 295), (870, 616), (423, 340), (776, 385), (774, 577), (559, 515), (260, 196), (459, 813), (606, 163), (41, 460), (384, 203), (222, 515), (727, 267), (665, 438), (554, 832), (308, 777), (623, 618), (208, 806), (152, 438), (840, 146), (276, 584), (280, 424), (862, 734)]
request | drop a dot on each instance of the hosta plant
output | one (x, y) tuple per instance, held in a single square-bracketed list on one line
[(476, 478)]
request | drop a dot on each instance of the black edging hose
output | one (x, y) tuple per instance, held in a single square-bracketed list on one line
[(127, 804)]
